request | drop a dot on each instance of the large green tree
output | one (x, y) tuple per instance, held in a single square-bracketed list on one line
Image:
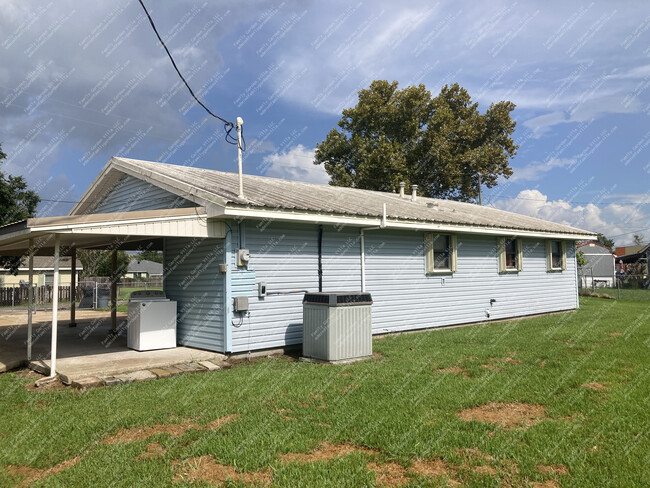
[(16, 203), (440, 143), (99, 262)]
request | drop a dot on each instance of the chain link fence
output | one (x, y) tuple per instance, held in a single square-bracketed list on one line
[(621, 286), (89, 293)]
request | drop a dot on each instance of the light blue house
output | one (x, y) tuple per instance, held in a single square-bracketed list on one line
[(427, 262)]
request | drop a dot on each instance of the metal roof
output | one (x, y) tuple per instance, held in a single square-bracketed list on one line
[(144, 266), (271, 194)]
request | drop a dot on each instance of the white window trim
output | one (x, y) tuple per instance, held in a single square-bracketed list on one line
[(549, 255), (429, 258), (501, 250)]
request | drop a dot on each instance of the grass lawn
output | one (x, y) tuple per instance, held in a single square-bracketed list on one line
[(125, 292), (559, 400)]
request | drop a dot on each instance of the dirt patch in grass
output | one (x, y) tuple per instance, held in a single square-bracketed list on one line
[(497, 363), (453, 369), (541, 364), (326, 452), (153, 450), (616, 334), (553, 469), (546, 484), (136, 434), (506, 415), (31, 475), (55, 384), (485, 470), (389, 474), (207, 469), (594, 385), (284, 413), (431, 469)]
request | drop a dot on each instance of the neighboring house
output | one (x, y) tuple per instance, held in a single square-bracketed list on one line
[(600, 269), (142, 269), (43, 272), (427, 262), (626, 255)]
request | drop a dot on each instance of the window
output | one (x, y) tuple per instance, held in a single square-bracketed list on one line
[(440, 253), (510, 255), (555, 255)]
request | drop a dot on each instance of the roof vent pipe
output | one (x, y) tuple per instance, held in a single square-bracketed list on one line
[(240, 122), (401, 189), (414, 192)]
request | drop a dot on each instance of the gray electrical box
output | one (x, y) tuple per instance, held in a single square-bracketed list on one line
[(261, 289), (240, 304)]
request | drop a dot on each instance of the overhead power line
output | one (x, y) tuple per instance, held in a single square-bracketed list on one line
[(227, 125)]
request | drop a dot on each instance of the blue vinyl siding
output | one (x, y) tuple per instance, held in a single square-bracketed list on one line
[(192, 278), (285, 256), (130, 194), (406, 299)]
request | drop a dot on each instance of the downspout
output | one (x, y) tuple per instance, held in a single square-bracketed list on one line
[(363, 246), (320, 258)]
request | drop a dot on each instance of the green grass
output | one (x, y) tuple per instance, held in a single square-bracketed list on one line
[(396, 403), (628, 295), (125, 293)]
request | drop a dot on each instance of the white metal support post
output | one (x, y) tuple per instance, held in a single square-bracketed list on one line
[(55, 303), (73, 286), (30, 299)]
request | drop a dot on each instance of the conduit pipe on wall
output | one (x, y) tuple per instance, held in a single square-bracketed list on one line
[(363, 246)]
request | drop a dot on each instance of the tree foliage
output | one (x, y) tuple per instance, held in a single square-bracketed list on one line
[(99, 262), (605, 241), (580, 259), (16, 203), (440, 143), (148, 255)]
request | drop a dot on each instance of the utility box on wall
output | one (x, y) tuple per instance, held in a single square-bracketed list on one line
[(337, 327)]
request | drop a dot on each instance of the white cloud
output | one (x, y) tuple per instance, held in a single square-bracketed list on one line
[(295, 164), (536, 170), (589, 109), (614, 219)]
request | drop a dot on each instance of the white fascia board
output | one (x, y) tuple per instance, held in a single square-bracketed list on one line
[(93, 188), (287, 216), (113, 223)]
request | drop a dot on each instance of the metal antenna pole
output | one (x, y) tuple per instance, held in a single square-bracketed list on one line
[(480, 197), (240, 122)]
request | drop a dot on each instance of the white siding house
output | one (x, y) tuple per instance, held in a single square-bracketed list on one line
[(426, 262)]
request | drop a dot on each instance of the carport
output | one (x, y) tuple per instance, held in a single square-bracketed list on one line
[(62, 236)]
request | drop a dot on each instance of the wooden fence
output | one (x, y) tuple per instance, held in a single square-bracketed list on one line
[(18, 295)]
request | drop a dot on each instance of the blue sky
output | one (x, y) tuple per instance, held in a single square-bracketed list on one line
[(83, 81)]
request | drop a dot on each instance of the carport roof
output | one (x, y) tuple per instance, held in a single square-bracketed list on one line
[(124, 230)]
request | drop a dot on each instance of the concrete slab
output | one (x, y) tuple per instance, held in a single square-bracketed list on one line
[(209, 365), (88, 349), (87, 382), (142, 375), (189, 367), (111, 381), (161, 372)]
